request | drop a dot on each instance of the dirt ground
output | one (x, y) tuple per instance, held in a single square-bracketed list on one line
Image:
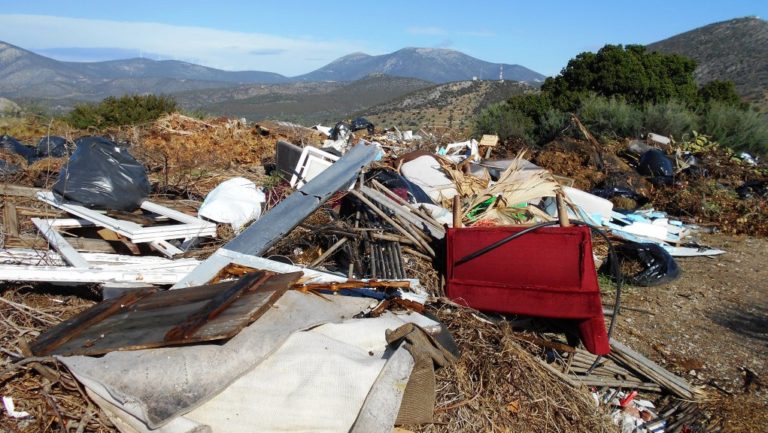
[(711, 327)]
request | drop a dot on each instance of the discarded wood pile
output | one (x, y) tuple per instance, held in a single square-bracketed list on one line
[(318, 240)]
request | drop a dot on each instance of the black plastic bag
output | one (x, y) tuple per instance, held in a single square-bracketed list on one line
[(655, 164), (362, 123), (618, 191), (659, 267), (753, 188), (13, 145), (341, 130), (52, 146), (8, 169), (401, 186), (101, 174)]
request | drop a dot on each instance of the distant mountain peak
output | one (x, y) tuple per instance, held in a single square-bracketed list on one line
[(438, 65)]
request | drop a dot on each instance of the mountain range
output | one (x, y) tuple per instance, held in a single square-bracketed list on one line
[(24, 74)]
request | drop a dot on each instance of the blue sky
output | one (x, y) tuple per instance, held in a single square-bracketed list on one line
[(292, 37)]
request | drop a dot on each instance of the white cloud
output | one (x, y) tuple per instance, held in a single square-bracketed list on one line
[(428, 30), (479, 33), (210, 47)]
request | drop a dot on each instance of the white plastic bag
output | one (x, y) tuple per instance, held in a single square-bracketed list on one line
[(236, 201)]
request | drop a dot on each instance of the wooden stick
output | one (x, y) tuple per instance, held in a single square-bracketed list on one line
[(328, 252), (352, 284), (562, 212), (416, 253), (417, 210), (456, 212)]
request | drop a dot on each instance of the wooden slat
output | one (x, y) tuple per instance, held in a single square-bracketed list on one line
[(18, 190), (10, 220), (60, 244)]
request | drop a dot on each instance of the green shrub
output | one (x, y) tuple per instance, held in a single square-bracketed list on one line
[(125, 110), (630, 72), (720, 91), (551, 124), (504, 121), (736, 128), (610, 117), (671, 118)]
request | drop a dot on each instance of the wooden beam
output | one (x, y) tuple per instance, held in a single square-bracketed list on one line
[(18, 190)]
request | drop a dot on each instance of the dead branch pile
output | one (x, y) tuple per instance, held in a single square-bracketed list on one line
[(42, 387), (498, 386)]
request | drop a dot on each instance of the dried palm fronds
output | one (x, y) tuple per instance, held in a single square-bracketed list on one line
[(507, 201)]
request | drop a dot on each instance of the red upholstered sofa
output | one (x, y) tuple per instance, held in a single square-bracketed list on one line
[(548, 272)]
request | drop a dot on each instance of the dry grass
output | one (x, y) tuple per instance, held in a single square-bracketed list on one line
[(42, 386), (498, 386)]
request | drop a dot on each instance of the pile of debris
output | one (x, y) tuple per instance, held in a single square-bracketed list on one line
[(220, 276)]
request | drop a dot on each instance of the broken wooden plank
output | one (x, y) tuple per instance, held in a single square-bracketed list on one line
[(18, 190), (64, 274), (148, 321), (10, 220), (188, 226), (59, 243), (636, 361), (351, 284)]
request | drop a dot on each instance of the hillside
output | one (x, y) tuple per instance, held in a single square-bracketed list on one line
[(24, 74), (431, 64), (328, 102), (451, 105), (735, 50)]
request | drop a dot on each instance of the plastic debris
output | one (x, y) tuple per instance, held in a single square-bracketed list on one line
[(658, 265), (52, 146), (655, 164), (236, 201), (10, 409), (101, 174)]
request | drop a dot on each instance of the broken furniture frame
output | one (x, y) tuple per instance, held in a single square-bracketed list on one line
[(312, 162), (188, 227)]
